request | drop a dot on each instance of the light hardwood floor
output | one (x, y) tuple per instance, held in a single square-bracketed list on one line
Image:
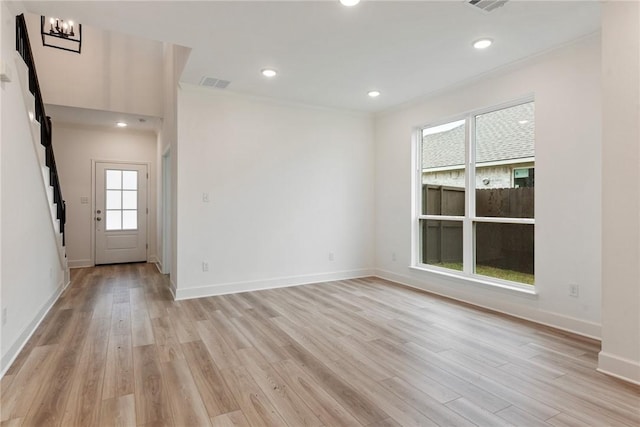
[(115, 350)]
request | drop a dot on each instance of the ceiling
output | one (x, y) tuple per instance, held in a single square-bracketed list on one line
[(330, 55), (88, 117)]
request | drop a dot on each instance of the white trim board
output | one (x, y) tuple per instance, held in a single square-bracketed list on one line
[(23, 338), (158, 265), (85, 263), (565, 323), (260, 285), (619, 367), (173, 288), (80, 263)]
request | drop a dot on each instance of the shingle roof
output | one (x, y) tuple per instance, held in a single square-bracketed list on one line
[(500, 135)]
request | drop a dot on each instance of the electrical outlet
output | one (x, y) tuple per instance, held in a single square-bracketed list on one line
[(205, 197), (205, 266), (393, 256), (330, 256), (574, 290), (4, 316)]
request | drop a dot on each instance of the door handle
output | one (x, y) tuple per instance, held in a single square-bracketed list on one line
[(98, 219)]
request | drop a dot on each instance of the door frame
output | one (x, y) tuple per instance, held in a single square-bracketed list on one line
[(93, 203), (166, 176)]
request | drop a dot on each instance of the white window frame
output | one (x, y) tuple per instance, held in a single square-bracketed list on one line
[(470, 218)]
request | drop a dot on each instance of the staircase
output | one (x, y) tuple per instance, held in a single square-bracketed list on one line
[(41, 132)]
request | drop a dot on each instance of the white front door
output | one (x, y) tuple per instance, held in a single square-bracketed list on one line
[(121, 213)]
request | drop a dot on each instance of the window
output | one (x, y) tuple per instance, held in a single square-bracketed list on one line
[(523, 177), (475, 197), (122, 200)]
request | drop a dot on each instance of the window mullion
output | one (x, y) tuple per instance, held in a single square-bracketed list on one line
[(467, 238), (418, 202)]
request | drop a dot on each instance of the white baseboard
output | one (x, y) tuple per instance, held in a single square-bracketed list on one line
[(83, 263), (619, 367), (566, 323), (259, 285), (173, 288), (28, 331), (80, 263), (158, 266)]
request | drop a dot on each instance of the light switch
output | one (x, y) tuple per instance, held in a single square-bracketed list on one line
[(84, 200)]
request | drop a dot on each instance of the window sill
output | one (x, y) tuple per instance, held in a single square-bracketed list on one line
[(519, 289)]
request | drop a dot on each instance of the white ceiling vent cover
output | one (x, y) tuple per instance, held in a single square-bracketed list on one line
[(487, 5), (213, 82)]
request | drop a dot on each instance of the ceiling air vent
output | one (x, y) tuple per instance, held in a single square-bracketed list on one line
[(213, 82), (487, 5)]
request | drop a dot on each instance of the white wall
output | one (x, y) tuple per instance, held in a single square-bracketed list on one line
[(620, 354), (287, 184), (32, 274), (75, 146), (566, 86), (115, 72)]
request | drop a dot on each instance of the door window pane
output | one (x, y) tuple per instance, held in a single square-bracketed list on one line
[(114, 179), (505, 251), (114, 199), (129, 220), (129, 200), (443, 169), (505, 163), (114, 220), (442, 243), (129, 180)]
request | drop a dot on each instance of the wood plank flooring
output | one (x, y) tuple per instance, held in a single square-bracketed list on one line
[(116, 350)]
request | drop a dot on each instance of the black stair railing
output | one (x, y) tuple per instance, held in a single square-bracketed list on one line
[(23, 46)]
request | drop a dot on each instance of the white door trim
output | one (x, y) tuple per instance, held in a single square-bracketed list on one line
[(93, 202), (166, 212)]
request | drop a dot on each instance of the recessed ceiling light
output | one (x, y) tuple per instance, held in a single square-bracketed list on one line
[(349, 3), (482, 43), (373, 93), (523, 122), (269, 72), (121, 124)]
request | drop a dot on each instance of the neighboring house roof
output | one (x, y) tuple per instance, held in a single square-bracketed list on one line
[(501, 135)]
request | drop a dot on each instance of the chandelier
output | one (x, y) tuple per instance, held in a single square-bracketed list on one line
[(61, 34)]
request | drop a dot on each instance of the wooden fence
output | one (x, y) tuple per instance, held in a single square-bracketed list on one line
[(505, 246)]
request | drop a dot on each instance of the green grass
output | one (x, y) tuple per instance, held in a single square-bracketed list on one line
[(498, 273)]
